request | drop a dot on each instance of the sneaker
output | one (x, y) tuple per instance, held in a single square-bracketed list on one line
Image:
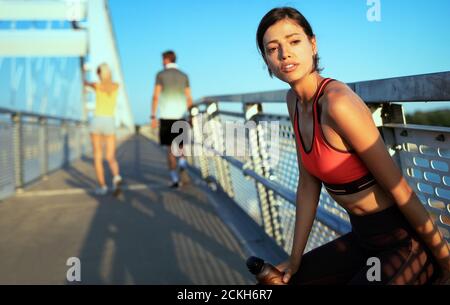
[(117, 180), (117, 183), (101, 191)]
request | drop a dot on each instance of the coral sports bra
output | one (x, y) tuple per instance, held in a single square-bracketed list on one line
[(342, 172)]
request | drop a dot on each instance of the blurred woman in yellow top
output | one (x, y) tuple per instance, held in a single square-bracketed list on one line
[(102, 128)]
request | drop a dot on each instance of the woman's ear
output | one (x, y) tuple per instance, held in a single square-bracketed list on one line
[(314, 45)]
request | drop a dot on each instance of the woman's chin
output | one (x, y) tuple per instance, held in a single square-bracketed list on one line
[(292, 79)]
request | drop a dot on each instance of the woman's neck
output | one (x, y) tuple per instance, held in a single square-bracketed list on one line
[(306, 87), (106, 81)]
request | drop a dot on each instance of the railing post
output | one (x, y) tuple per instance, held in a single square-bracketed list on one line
[(18, 151), (221, 166), (260, 164), (197, 139), (391, 113), (190, 158), (7, 159)]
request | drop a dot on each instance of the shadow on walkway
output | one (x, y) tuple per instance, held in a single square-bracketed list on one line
[(150, 234)]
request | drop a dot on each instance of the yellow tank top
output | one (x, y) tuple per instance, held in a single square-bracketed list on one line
[(105, 102)]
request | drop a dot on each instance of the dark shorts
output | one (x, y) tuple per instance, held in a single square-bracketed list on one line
[(387, 236), (166, 136)]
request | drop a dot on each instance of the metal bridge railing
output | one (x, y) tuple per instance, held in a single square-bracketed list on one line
[(32, 146), (265, 189)]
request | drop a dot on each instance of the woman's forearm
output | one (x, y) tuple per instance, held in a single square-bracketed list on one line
[(424, 225), (304, 218)]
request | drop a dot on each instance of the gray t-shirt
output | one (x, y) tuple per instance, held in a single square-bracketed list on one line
[(172, 102)]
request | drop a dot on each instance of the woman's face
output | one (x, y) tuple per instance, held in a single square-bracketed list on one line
[(288, 51)]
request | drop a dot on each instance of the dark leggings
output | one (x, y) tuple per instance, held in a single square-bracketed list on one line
[(386, 235)]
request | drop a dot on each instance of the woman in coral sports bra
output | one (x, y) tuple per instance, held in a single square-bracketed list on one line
[(339, 146)]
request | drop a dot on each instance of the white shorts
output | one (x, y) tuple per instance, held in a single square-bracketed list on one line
[(103, 125)]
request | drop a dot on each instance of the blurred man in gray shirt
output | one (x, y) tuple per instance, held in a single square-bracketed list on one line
[(172, 94)]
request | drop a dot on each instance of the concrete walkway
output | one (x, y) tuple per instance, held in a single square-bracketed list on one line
[(150, 234)]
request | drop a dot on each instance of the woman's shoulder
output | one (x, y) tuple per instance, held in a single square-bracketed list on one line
[(340, 100), (108, 88), (336, 90), (339, 96)]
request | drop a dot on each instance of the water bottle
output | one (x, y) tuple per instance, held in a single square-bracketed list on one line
[(265, 273)]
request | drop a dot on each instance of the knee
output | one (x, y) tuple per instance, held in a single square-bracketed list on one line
[(111, 158), (98, 157)]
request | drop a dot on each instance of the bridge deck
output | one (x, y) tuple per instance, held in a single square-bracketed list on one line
[(150, 234)]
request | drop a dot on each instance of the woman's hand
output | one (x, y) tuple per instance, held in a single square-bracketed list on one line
[(89, 84), (288, 268)]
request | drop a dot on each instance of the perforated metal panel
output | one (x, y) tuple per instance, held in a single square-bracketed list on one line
[(86, 146), (320, 234), (17, 150), (73, 135), (31, 154), (43, 147), (32, 145), (7, 177), (260, 148), (56, 137), (425, 162), (215, 135), (237, 146), (285, 172), (287, 219), (245, 194), (197, 138)]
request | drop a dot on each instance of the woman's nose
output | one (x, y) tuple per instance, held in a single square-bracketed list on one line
[(285, 53)]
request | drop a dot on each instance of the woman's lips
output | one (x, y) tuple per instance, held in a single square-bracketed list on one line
[(288, 68)]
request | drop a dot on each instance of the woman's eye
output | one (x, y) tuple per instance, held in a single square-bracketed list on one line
[(271, 50), (294, 42)]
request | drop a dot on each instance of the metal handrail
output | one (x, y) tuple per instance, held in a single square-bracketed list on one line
[(39, 116), (416, 88)]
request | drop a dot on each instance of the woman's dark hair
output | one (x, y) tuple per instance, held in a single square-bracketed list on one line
[(278, 14)]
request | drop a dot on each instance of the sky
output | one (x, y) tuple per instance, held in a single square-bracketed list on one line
[(216, 45)]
